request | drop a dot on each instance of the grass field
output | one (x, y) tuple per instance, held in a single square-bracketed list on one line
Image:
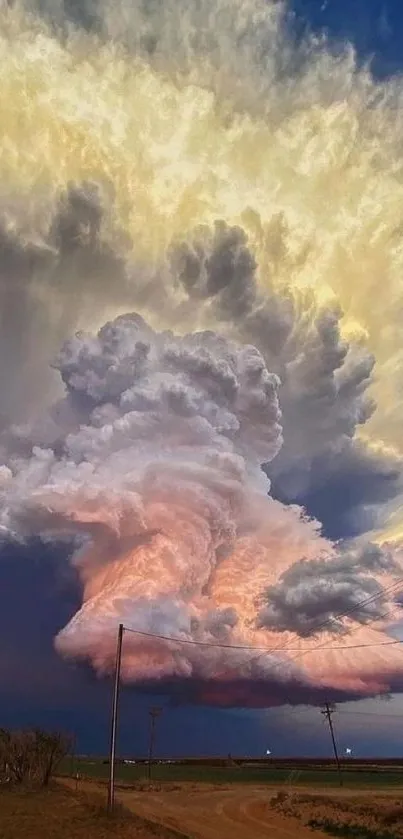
[(230, 775), (58, 813)]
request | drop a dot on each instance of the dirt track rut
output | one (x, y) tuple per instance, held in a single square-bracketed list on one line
[(217, 814)]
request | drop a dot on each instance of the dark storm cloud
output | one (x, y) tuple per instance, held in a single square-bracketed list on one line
[(51, 268), (312, 594), (216, 265), (53, 258), (346, 491), (324, 379)]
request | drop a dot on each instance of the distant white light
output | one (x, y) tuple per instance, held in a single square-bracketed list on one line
[(348, 751), (268, 752)]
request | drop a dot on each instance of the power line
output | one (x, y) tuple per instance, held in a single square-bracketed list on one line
[(263, 650), (308, 709), (370, 714), (370, 599), (329, 621), (285, 647), (366, 602)]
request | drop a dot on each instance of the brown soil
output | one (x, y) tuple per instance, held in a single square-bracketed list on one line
[(214, 812), (61, 814)]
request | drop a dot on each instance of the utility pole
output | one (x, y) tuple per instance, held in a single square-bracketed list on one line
[(327, 712), (154, 714), (115, 709), (73, 754), (74, 764)]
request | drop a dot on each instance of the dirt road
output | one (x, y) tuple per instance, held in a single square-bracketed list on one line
[(241, 811), (235, 813)]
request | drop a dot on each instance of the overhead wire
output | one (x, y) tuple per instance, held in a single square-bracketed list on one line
[(263, 650), (271, 650), (388, 590)]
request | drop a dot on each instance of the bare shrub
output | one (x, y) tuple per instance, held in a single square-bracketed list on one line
[(279, 799), (51, 748), (31, 757)]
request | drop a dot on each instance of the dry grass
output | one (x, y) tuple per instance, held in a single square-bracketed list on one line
[(368, 817), (60, 814)]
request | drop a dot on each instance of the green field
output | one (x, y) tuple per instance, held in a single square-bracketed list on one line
[(229, 775)]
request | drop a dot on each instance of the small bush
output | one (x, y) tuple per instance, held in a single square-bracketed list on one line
[(348, 831), (279, 799), (30, 757)]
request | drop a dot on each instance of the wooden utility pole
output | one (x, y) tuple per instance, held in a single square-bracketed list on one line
[(327, 712), (154, 714), (115, 711)]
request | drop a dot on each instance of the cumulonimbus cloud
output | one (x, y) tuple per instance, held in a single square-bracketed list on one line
[(157, 472), (185, 451)]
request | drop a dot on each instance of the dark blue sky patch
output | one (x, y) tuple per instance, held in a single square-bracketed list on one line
[(375, 27)]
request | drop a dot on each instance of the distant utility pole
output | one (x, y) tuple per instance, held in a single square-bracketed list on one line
[(74, 764), (114, 725), (327, 712), (73, 758), (154, 714)]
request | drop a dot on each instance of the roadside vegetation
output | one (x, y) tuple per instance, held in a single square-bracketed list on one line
[(34, 806), (58, 813), (364, 817), (31, 758)]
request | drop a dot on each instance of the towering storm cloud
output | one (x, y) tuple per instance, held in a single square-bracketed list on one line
[(226, 463), (151, 465)]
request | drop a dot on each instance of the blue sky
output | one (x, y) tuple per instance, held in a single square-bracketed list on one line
[(37, 598), (374, 26)]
